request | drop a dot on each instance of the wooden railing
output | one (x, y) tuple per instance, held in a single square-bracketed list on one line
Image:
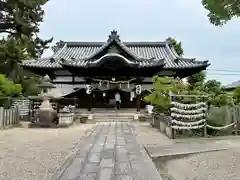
[(9, 117)]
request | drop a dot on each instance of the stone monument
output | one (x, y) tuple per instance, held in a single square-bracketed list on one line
[(47, 115)]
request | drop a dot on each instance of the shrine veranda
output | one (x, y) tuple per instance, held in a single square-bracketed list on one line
[(91, 73)]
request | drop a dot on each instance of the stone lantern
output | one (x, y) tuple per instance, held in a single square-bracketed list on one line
[(46, 85), (46, 112)]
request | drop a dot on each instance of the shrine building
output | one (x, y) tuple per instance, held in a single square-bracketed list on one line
[(110, 67)]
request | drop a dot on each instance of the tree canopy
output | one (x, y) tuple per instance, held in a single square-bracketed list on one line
[(177, 45), (162, 86), (8, 88), (197, 85), (19, 25), (221, 11), (20, 19), (196, 80)]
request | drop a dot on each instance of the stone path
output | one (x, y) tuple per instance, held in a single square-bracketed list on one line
[(111, 152)]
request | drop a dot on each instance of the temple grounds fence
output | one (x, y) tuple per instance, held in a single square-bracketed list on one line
[(9, 117), (14, 110), (197, 119), (219, 121)]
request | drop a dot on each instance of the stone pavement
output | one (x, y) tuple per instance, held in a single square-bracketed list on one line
[(111, 152)]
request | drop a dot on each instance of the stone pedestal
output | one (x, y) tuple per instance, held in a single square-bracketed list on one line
[(136, 116), (162, 126), (169, 131), (66, 118), (90, 117), (46, 113)]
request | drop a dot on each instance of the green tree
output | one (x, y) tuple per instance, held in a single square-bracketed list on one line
[(159, 96), (11, 54), (217, 96), (8, 88), (177, 45), (213, 86), (20, 20), (196, 80), (236, 95), (19, 23), (221, 11)]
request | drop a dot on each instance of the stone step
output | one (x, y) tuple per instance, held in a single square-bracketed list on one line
[(113, 120), (114, 114), (113, 117), (116, 119)]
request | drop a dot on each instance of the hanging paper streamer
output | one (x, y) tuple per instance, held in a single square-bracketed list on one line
[(101, 81), (131, 95), (191, 116), (183, 111), (189, 106), (113, 81), (188, 116)]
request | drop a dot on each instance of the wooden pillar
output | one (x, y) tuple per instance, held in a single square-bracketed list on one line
[(75, 103), (205, 123), (89, 101), (58, 105), (89, 97), (173, 98), (138, 102), (31, 110), (138, 96)]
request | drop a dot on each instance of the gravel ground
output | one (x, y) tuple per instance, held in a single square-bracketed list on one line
[(220, 165), (34, 154)]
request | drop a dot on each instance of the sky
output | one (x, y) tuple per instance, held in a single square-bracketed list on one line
[(148, 20)]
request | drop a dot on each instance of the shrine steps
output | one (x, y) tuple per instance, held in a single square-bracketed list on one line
[(106, 117), (109, 115)]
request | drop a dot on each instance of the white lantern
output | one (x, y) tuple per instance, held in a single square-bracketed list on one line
[(138, 89), (88, 89)]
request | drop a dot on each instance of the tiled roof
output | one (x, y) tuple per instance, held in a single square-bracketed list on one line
[(143, 54), (65, 89), (233, 85)]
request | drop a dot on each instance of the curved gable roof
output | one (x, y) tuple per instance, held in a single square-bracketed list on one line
[(145, 53)]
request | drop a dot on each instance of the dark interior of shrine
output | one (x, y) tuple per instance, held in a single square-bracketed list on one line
[(101, 98)]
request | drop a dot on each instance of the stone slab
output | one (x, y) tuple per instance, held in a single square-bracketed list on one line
[(181, 149)]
